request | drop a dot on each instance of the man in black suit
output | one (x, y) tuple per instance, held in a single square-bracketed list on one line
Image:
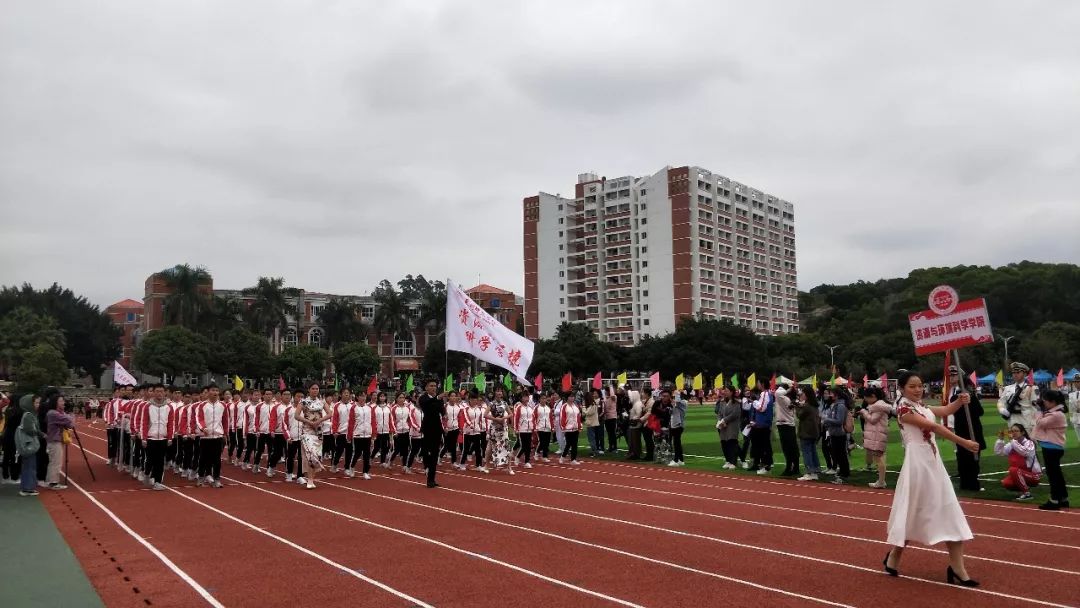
[(433, 408), (967, 464)]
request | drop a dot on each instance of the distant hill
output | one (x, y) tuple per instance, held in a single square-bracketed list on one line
[(1038, 303)]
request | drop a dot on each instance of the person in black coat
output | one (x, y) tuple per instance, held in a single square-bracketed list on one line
[(967, 463)]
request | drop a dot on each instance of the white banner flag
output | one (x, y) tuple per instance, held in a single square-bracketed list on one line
[(470, 329), (120, 376)]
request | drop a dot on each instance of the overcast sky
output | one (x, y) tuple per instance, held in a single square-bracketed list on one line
[(339, 143)]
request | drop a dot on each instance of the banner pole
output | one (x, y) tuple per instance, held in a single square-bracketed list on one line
[(967, 411)]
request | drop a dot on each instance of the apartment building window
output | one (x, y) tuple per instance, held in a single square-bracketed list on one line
[(367, 312), (644, 250), (560, 220), (562, 314), (560, 206), (316, 310), (562, 287), (562, 274)]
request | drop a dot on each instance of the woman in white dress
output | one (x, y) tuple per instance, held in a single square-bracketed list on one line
[(925, 509)]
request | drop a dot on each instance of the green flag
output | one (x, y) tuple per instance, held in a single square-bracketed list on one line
[(832, 381), (508, 382), (409, 384), (448, 384), (480, 382), (735, 380)]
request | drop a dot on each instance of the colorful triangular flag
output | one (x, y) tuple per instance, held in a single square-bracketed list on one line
[(1000, 378), (448, 383), (718, 381), (699, 382), (621, 379), (735, 381), (680, 382), (751, 381), (597, 382), (480, 382), (654, 381), (408, 384), (538, 382), (567, 382), (238, 384)]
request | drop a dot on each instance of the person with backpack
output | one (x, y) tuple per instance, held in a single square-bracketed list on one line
[(28, 442)]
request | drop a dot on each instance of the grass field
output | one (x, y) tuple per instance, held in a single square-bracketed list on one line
[(702, 448)]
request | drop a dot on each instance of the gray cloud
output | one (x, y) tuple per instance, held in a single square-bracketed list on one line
[(335, 144)]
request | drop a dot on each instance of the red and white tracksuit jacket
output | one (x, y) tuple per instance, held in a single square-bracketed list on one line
[(279, 419), (158, 422), (570, 420), (135, 415), (123, 419), (473, 420), (399, 419), (236, 415), (211, 420), (293, 427), (112, 412), (248, 424), (383, 419), (182, 416), (451, 421), (262, 418), (416, 421), (361, 421), (339, 418), (524, 419), (545, 419)]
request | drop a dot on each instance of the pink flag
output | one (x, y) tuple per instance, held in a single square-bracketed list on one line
[(280, 383), (654, 381), (596, 381), (974, 380), (1061, 377), (539, 382)]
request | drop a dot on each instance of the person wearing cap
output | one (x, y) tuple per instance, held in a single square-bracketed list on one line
[(967, 465), (1017, 401)]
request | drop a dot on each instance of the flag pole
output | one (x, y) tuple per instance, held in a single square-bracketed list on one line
[(446, 329), (967, 412)]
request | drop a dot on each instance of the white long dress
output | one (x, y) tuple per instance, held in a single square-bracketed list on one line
[(925, 509)]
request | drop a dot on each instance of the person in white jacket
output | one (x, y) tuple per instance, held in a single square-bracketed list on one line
[(569, 421), (212, 424), (361, 427)]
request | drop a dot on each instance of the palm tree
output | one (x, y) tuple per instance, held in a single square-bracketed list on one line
[(222, 315), (391, 315), (270, 307), (187, 301), (433, 308), (341, 320)]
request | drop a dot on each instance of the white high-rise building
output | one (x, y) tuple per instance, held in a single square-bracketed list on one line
[(630, 256)]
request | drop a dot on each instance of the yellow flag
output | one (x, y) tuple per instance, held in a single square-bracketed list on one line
[(1000, 378), (699, 381), (680, 382), (621, 378), (813, 382), (237, 383), (719, 381), (751, 382)]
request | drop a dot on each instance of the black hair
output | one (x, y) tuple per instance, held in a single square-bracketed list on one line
[(1022, 430), (809, 395), (875, 391), (474, 394), (902, 379), (311, 384), (155, 385), (1056, 397)]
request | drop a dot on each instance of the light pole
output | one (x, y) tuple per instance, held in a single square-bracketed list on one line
[(1006, 339), (832, 363)]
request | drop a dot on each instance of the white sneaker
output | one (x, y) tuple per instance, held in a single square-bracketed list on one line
[(575, 463), (830, 471), (728, 465), (878, 486), (808, 477), (255, 469), (366, 476), (562, 460), (386, 465), (288, 477), (57, 486), (546, 459), (673, 463), (301, 480), (333, 469), (158, 487), (269, 472), (483, 470), (310, 485), (199, 483), (746, 465), (511, 471), (217, 484), (406, 470), (527, 465), (763, 471), (350, 473)]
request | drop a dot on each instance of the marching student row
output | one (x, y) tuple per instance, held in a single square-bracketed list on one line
[(151, 430)]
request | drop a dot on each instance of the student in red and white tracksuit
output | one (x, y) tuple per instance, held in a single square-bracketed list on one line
[(399, 421), (416, 435), (339, 427), (250, 429), (158, 426), (212, 423), (452, 426), (524, 422), (473, 422), (236, 426), (262, 430), (111, 414), (294, 451), (545, 424), (361, 428), (384, 429), (137, 455), (278, 424), (570, 423)]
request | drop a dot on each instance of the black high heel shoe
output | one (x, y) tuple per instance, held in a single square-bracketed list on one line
[(888, 570), (954, 579)]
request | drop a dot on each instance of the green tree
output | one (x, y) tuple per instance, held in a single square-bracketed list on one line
[(21, 329), (341, 320), (243, 352), (189, 297), (580, 349), (708, 346), (391, 315), (221, 316), (172, 350), (301, 363), (270, 305), (40, 365), (548, 361), (91, 339), (433, 308), (438, 361), (356, 362)]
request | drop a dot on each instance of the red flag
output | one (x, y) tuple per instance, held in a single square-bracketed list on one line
[(597, 382), (772, 382), (865, 380), (1061, 377), (974, 380), (567, 382), (280, 383), (374, 386), (539, 382), (1031, 377)]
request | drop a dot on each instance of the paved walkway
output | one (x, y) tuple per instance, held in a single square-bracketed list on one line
[(40, 569)]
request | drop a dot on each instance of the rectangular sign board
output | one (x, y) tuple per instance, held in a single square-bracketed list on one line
[(967, 325)]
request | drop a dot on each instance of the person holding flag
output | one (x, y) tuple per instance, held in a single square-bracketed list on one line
[(967, 465)]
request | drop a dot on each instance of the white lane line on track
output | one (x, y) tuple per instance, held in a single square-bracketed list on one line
[(425, 539), (733, 544), (414, 601), (738, 520), (585, 544), (774, 507), (822, 499), (819, 486), (184, 576)]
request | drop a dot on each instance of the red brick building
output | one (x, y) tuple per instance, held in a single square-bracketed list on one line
[(504, 305), (128, 316)]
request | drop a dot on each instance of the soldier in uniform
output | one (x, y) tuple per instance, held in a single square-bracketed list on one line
[(1017, 401)]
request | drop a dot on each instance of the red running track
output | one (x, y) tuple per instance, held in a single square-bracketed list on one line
[(606, 532)]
